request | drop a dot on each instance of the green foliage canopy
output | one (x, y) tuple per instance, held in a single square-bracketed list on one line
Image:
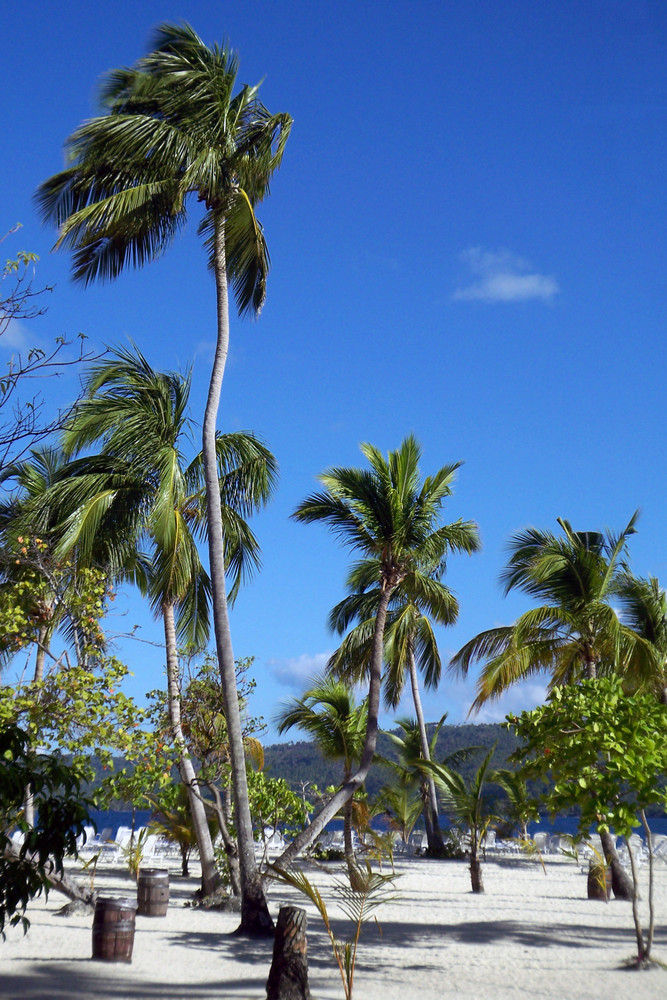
[(604, 750)]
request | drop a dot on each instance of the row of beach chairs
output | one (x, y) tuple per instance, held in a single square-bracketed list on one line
[(113, 850)]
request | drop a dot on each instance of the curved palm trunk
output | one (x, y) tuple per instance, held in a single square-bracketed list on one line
[(433, 833), (255, 917), (209, 872), (356, 780)]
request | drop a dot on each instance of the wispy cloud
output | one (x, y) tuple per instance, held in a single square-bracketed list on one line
[(16, 337), (298, 671), (502, 276)]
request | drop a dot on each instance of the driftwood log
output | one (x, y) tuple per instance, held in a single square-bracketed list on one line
[(288, 978), (61, 882)]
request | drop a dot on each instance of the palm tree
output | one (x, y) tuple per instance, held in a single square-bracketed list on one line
[(385, 513), (139, 490), (173, 130), (410, 644), (644, 605), (574, 634), (466, 800), (409, 772), (328, 713)]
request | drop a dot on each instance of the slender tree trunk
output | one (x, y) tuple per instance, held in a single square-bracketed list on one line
[(230, 845), (641, 952), (356, 780), (40, 658), (209, 872), (475, 866), (255, 917), (347, 837), (434, 835), (651, 907)]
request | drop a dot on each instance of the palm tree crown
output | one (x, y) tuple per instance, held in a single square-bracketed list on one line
[(141, 488), (171, 127), (576, 631), (327, 711)]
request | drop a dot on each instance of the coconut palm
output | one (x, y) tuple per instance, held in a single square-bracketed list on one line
[(644, 605), (574, 634), (174, 131), (328, 713), (139, 490), (385, 513), (410, 644)]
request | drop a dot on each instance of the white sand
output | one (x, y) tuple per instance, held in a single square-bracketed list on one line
[(529, 936)]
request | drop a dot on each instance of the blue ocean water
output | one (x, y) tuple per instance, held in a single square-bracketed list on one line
[(562, 824)]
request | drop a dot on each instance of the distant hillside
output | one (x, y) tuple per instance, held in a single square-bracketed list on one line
[(302, 761)]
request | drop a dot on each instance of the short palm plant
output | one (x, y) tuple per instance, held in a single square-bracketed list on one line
[(370, 891), (465, 800)]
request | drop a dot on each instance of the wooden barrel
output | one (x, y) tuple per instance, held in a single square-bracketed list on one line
[(153, 892), (113, 929)]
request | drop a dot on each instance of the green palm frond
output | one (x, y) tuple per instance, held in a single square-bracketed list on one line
[(329, 714), (171, 128)]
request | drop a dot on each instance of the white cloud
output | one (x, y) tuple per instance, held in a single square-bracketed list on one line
[(298, 671), (503, 276), (16, 337), (518, 698)]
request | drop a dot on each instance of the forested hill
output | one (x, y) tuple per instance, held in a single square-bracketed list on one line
[(303, 762)]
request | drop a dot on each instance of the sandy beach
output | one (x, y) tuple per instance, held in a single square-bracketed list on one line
[(530, 935)]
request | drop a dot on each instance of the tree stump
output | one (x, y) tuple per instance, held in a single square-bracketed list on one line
[(288, 978)]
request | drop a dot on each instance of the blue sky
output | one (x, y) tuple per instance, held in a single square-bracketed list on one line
[(468, 243)]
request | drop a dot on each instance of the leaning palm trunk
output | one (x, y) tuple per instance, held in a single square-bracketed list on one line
[(255, 917), (356, 780), (433, 833), (209, 872)]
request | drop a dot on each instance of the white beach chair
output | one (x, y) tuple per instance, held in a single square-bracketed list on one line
[(659, 845), (416, 843), (541, 840)]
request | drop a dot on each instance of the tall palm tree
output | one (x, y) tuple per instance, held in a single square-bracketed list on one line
[(173, 130), (328, 713), (574, 634), (138, 491), (410, 644), (385, 513)]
